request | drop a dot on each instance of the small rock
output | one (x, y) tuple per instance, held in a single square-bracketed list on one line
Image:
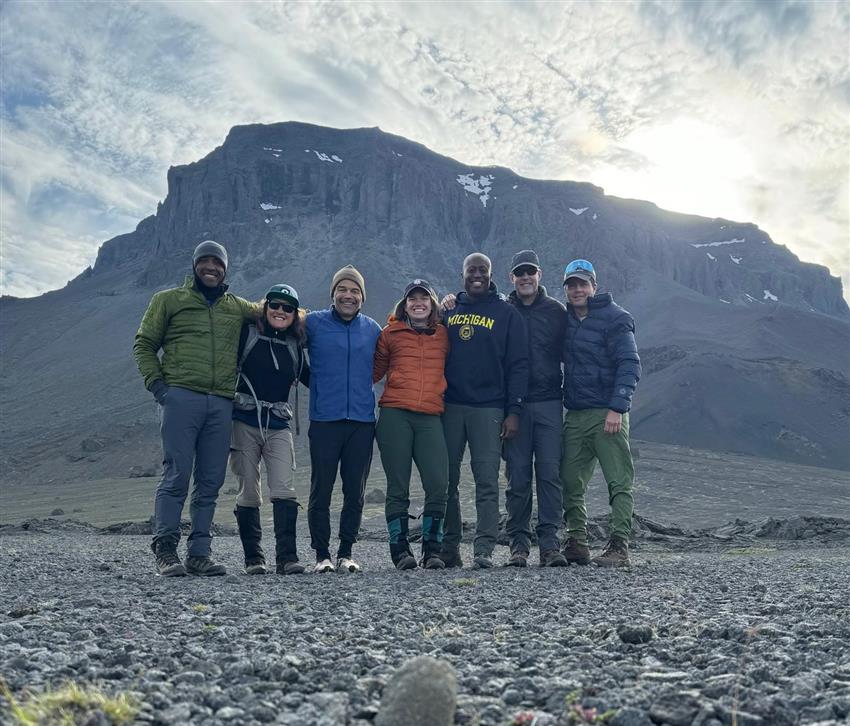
[(228, 713), (375, 496), (511, 696), (194, 678), (23, 611), (231, 578), (422, 691), (630, 717), (635, 633), (57, 512), (92, 444), (676, 709)]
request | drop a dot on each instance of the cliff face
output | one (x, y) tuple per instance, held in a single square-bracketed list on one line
[(301, 197), (746, 349)]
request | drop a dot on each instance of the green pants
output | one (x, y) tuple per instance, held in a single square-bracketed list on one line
[(585, 442), (481, 429), (406, 437)]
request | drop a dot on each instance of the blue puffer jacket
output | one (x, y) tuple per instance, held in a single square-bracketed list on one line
[(341, 358), (601, 363)]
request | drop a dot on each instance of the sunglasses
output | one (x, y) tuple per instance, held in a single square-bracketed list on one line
[(528, 271), (286, 307)]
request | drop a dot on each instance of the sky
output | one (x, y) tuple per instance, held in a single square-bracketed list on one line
[(738, 110)]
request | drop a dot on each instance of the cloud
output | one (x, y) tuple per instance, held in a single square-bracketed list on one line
[(100, 99)]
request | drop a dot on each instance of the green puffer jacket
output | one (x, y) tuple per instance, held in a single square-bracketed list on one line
[(199, 341)]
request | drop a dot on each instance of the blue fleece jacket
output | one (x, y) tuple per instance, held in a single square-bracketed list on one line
[(341, 357)]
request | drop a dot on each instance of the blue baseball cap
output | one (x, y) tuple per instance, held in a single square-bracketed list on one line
[(581, 269)]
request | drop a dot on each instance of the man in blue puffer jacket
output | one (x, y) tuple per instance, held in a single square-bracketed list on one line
[(341, 341), (601, 371)]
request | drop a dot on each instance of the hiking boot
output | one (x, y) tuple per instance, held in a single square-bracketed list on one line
[(255, 566), (518, 558), (168, 564), (323, 566), (432, 562), (405, 561), (482, 562), (400, 553), (576, 553), (552, 558), (251, 533), (346, 564), (203, 566), (616, 554), (451, 558), (290, 567)]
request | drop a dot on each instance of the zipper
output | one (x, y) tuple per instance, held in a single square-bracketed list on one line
[(421, 368), (348, 373), (212, 344)]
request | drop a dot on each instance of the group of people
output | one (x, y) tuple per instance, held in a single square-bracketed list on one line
[(474, 370)]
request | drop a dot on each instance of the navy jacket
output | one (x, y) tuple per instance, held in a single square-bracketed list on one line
[(601, 362), (546, 320), (341, 357), (487, 365)]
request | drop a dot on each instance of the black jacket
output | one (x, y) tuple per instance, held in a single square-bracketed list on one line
[(487, 365), (546, 320), (601, 362), (270, 383)]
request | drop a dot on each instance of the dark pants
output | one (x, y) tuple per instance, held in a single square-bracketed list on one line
[(480, 428), (344, 447), (404, 438), (536, 450), (195, 432)]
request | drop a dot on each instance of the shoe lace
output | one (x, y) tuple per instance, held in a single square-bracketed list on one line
[(614, 546), (168, 557)]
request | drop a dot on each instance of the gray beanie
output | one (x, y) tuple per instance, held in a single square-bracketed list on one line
[(208, 248)]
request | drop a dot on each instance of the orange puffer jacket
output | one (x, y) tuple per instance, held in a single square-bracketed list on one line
[(413, 362)]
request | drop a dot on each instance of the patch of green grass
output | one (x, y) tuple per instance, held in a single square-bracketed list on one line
[(200, 608), (751, 551), (71, 704), (465, 581)]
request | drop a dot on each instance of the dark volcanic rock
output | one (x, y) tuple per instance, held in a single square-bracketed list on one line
[(423, 692)]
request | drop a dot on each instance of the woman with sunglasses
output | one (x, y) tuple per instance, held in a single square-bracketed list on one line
[(412, 353), (271, 361)]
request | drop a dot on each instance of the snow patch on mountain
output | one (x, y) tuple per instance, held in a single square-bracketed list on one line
[(480, 186), (720, 244), (580, 210), (768, 295), (321, 156), (267, 206)]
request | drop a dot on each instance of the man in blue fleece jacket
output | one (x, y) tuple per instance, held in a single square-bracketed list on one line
[(487, 377)]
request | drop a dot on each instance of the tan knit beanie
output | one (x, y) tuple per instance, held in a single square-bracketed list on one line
[(349, 272)]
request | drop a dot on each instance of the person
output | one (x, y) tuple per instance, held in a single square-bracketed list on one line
[(197, 327), (412, 353), (341, 341), (271, 361), (601, 372), (536, 449), (487, 378)]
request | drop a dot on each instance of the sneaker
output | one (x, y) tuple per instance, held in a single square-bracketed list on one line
[(451, 558), (552, 558), (616, 554), (203, 566), (346, 564), (481, 562), (256, 566), (519, 558), (290, 567), (576, 553), (324, 566), (406, 562), (432, 563), (168, 564)]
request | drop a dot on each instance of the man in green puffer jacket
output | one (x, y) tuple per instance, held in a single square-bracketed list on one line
[(197, 328)]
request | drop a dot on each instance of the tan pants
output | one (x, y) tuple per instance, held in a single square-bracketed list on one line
[(247, 449)]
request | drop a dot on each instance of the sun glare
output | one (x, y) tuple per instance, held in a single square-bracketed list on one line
[(690, 167)]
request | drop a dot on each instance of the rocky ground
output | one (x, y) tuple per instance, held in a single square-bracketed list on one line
[(744, 624)]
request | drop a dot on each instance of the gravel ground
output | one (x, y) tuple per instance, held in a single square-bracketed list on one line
[(749, 635)]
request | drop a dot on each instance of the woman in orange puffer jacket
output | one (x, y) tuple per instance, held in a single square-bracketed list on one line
[(412, 353)]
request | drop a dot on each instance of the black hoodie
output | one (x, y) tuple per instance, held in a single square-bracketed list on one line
[(487, 365)]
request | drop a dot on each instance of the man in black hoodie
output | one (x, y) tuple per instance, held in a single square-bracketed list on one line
[(536, 449), (487, 377)]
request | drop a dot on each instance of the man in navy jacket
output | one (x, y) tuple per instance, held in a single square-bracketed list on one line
[(341, 342), (601, 371), (487, 377)]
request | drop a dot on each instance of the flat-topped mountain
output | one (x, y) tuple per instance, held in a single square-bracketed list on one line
[(745, 348)]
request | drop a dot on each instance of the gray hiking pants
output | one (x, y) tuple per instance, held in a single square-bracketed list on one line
[(195, 435), (535, 450), (481, 429)]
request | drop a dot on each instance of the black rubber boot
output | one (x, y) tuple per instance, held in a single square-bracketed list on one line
[(251, 534), (400, 552), (285, 513), (432, 542)]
